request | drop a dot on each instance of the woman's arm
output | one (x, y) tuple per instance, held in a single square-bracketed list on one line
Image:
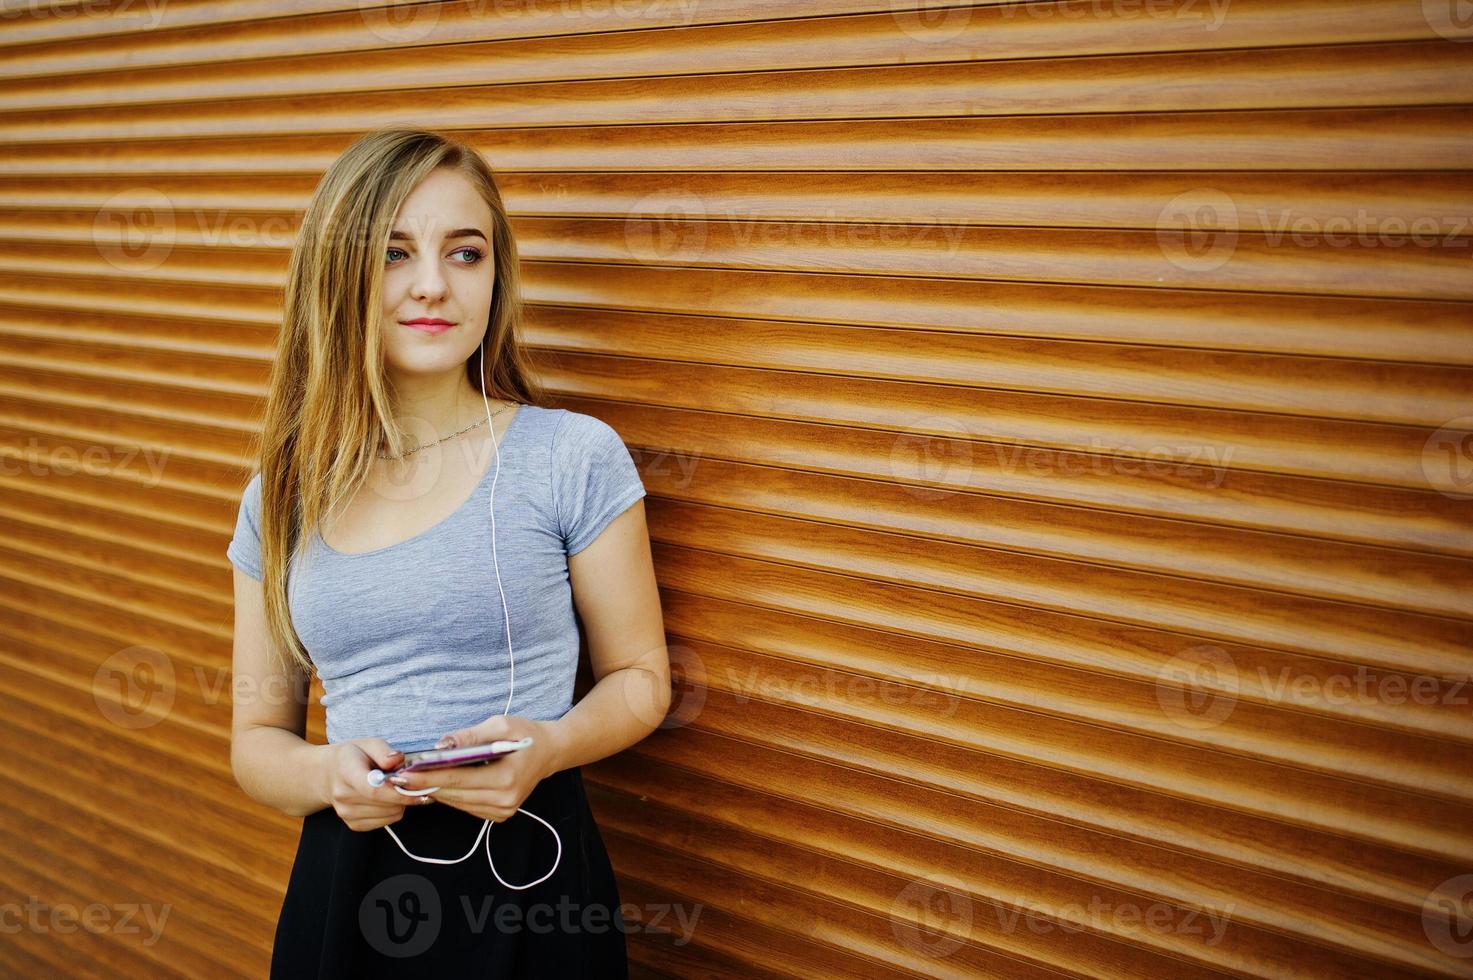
[(280, 769), (272, 760), (618, 599)]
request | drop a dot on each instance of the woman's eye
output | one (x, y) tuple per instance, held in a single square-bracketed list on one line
[(475, 254)]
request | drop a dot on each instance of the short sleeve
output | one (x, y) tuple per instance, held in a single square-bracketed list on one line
[(245, 548), (594, 478)]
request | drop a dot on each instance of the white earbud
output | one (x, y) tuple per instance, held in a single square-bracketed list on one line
[(376, 777)]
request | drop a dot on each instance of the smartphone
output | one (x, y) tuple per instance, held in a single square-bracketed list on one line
[(468, 755)]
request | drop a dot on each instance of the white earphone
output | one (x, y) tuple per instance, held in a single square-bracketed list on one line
[(511, 687)]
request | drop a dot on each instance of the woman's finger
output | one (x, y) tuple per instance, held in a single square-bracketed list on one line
[(491, 776), (483, 803)]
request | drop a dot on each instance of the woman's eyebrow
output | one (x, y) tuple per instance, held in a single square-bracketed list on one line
[(404, 236)]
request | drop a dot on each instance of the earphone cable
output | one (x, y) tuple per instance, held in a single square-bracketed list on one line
[(511, 688)]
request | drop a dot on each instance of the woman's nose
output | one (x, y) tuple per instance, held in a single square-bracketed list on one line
[(429, 281)]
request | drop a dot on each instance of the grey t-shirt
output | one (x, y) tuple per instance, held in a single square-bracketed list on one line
[(410, 640)]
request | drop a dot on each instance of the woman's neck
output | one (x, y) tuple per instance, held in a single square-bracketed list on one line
[(439, 406)]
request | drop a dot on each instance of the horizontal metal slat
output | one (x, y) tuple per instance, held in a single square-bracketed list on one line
[(1269, 702), (1199, 84), (1376, 329), (787, 907), (111, 956), (1375, 264), (1018, 854), (1376, 260), (1333, 802), (1058, 81), (185, 32), (1147, 652), (1288, 140), (1435, 644), (1333, 388), (1287, 563), (344, 52), (940, 466), (43, 206), (946, 698), (1025, 801), (820, 882), (1148, 436)]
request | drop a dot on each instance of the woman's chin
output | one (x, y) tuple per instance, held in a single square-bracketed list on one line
[(425, 364)]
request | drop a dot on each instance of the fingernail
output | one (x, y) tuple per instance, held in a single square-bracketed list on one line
[(445, 743), (398, 780)]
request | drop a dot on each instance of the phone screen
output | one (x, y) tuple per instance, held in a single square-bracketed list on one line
[(467, 755)]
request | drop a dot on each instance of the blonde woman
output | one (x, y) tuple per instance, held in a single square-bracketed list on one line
[(420, 533)]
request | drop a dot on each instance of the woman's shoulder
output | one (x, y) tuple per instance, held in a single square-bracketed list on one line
[(574, 433), (250, 497)]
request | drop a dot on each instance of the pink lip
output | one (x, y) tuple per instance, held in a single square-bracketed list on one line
[(429, 324)]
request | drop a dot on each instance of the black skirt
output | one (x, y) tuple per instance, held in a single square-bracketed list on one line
[(358, 906)]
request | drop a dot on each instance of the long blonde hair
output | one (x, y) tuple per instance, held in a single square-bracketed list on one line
[(329, 399)]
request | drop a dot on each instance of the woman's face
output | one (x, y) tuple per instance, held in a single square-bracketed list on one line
[(438, 266)]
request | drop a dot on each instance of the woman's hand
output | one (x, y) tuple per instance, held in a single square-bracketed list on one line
[(494, 790), (345, 776)]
